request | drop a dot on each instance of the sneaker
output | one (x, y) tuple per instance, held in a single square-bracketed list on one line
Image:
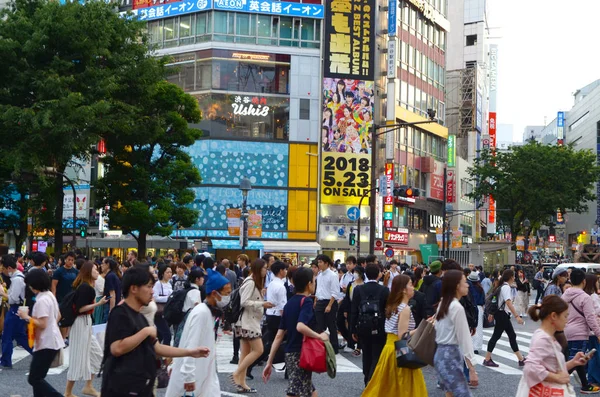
[(490, 363), (590, 389), (348, 350), (356, 353), (476, 351), (235, 360)]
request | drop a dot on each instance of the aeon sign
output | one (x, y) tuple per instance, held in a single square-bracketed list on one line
[(246, 106)]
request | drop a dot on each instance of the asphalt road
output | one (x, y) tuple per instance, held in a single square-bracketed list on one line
[(501, 382)]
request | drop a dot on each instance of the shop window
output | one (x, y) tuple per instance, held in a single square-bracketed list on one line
[(250, 77), (220, 18), (304, 109), (245, 115)]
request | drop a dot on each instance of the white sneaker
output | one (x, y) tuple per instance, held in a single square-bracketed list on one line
[(348, 350)]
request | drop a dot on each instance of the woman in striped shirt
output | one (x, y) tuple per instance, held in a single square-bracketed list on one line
[(388, 379)]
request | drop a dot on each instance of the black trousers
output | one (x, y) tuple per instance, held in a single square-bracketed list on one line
[(269, 332), (540, 293), (371, 350), (343, 328), (328, 321), (236, 346), (503, 324), (162, 329), (40, 363)]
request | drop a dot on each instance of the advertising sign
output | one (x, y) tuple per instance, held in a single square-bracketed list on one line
[(391, 59), (81, 203), (349, 46), (399, 237), (451, 150), (269, 7), (436, 181), (233, 221), (255, 224), (346, 141), (137, 4), (451, 187), (392, 17), (428, 250), (456, 238), (560, 128)]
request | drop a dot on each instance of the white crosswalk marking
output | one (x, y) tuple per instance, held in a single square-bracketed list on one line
[(503, 354)]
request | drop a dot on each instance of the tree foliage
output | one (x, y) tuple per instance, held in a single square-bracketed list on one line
[(533, 181), (149, 176)]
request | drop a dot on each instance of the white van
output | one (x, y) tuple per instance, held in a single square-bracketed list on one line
[(588, 267)]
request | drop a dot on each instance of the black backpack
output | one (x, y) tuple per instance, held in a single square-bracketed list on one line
[(491, 302), (369, 319), (67, 309), (471, 311), (234, 310), (173, 310)]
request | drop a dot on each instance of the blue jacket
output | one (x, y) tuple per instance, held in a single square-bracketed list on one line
[(477, 297)]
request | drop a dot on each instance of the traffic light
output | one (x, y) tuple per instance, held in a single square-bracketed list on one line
[(403, 191), (352, 239), (83, 231)]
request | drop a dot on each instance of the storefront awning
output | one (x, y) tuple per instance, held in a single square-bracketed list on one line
[(301, 247)]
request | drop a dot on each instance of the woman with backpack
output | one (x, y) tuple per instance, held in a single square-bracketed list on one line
[(506, 307), (387, 378), (453, 338), (298, 321), (85, 354), (248, 325)]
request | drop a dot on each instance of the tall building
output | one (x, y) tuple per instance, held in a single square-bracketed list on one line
[(252, 67), (471, 86)]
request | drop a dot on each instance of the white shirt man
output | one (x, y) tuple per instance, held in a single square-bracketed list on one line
[(328, 285), (277, 295)]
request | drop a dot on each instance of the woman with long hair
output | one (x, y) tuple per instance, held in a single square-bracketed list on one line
[(112, 283), (502, 318), (545, 362), (523, 290), (85, 354), (162, 290), (387, 378), (247, 327), (99, 315), (418, 277), (453, 338)]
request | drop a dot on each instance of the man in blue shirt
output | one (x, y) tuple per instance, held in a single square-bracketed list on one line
[(14, 327), (62, 280)]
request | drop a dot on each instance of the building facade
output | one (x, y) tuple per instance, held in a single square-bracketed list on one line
[(252, 67)]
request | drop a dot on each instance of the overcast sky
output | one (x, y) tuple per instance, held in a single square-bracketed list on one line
[(547, 51)]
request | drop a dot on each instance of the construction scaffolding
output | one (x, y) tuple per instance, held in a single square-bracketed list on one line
[(461, 102)]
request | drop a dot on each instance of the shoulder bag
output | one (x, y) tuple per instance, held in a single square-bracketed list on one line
[(313, 356), (546, 388), (423, 341), (405, 356)]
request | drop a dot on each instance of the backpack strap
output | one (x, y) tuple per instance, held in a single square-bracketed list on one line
[(578, 311)]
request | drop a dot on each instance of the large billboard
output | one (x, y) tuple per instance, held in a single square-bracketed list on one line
[(348, 101), (350, 39)]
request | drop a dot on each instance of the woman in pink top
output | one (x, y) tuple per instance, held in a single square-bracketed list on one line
[(545, 362), (48, 340)]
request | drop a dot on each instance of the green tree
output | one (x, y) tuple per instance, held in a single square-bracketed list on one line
[(149, 176), (533, 181), (60, 68)]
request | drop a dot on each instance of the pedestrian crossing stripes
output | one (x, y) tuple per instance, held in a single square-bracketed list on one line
[(503, 354), (224, 354)]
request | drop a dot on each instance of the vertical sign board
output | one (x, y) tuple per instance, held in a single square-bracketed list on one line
[(491, 221), (451, 187), (348, 101), (388, 208), (451, 151), (392, 17), (493, 73), (479, 112), (391, 59), (560, 128)]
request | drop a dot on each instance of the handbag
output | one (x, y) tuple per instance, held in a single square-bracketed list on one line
[(162, 375), (313, 356), (3, 310), (160, 307), (405, 356), (546, 388), (58, 359), (423, 341)]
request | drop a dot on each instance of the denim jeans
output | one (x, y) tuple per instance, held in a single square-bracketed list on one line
[(576, 346), (594, 363)]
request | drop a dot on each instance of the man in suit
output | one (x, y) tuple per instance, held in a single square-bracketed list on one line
[(373, 339)]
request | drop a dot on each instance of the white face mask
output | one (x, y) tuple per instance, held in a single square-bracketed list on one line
[(224, 301)]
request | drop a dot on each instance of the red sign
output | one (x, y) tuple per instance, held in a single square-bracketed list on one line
[(388, 200), (451, 187), (102, 147), (493, 130), (378, 245), (388, 223), (396, 237), (137, 4), (492, 211), (34, 246), (552, 239)]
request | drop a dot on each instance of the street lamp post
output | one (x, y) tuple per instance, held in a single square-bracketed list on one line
[(245, 187), (358, 220), (526, 226)]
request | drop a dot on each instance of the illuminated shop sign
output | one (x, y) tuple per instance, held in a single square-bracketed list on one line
[(247, 106), (253, 57)]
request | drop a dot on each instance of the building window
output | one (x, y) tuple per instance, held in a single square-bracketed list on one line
[(304, 109), (244, 116), (471, 40)]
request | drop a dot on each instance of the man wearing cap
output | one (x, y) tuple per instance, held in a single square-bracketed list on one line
[(427, 287), (199, 376)]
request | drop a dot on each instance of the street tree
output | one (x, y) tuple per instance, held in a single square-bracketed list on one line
[(534, 181), (59, 70), (149, 176)]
